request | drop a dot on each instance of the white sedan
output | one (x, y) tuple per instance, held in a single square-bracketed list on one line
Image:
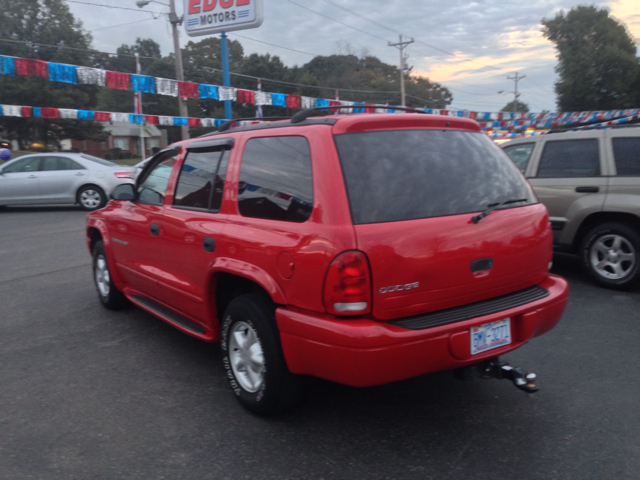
[(61, 178)]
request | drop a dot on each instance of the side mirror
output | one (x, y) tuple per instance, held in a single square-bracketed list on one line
[(123, 192)]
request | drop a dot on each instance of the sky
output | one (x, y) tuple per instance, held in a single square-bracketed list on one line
[(471, 47)]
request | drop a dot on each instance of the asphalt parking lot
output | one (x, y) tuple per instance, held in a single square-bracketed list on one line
[(89, 393)]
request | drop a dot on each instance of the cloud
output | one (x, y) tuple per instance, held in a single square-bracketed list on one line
[(499, 36)]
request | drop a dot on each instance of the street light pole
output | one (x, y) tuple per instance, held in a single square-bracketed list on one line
[(175, 21), (182, 103)]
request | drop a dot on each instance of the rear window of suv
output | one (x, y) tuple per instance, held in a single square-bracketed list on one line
[(409, 174)]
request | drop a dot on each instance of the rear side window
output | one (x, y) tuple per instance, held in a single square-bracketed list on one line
[(627, 154), (275, 179), (60, 163), (409, 174), (520, 154), (201, 179), (569, 159)]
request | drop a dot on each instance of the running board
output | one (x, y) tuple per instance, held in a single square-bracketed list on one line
[(168, 314)]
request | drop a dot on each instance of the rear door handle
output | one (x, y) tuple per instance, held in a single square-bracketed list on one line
[(209, 244), (587, 189), (154, 229), (79, 174)]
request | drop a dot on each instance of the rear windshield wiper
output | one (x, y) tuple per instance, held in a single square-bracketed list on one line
[(493, 206)]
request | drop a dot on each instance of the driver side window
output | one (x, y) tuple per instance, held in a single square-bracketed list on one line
[(23, 166), (154, 187)]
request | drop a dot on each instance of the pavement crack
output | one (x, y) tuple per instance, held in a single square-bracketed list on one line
[(45, 273)]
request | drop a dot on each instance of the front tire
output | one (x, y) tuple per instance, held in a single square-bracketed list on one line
[(610, 254), (109, 295), (253, 358), (91, 197)]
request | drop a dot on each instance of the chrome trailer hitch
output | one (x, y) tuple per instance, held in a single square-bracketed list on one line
[(495, 368)]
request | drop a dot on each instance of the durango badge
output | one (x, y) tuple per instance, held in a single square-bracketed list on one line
[(398, 288)]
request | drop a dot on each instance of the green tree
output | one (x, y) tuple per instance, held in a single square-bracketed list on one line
[(46, 30), (519, 106), (597, 60)]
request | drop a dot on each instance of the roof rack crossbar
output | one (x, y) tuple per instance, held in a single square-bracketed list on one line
[(227, 125), (304, 114)]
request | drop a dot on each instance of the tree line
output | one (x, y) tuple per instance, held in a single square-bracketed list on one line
[(597, 69)]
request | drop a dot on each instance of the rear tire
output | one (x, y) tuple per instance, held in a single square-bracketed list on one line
[(253, 357), (611, 255), (91, 198), (109, 295)]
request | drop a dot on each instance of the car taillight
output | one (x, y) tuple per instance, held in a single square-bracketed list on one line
[(347, 286), (123, 174)]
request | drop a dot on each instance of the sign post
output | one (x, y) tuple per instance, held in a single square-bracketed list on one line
[(208, 17)]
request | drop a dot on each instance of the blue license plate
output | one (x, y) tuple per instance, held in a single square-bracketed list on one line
[(490, 335)]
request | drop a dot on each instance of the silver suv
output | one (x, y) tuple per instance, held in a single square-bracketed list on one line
[(590, 183)]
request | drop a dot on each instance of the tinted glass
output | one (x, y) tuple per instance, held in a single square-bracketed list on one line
[(627, 154), (275, 179), (408, 174), (199, 171), (60, 163), (520, 154), (570, 158), (219, 182), (154, 187), (196, 179), (101, 161), (23, 165)]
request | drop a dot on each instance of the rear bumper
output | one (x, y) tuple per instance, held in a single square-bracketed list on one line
[(363, 352)]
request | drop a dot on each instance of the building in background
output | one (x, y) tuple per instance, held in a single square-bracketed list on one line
[(123, 142)]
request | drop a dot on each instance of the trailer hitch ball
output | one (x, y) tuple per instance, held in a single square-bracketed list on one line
[(526, 382)]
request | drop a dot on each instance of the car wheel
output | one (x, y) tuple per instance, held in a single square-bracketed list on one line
[(610, 254), (91, 197), (253, 358), (109, 295)]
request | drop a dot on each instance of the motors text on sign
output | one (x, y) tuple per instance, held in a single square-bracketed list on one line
[(207, 17)]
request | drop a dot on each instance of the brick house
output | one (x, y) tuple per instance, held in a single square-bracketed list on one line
[(123, 136)]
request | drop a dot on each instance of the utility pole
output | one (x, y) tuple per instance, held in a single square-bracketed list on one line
[(400, 46), (516, 95), (182, 103)]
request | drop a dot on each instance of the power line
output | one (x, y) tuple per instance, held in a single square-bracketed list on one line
[(111, 6), (373, 22), (122, 24), (274, 45)]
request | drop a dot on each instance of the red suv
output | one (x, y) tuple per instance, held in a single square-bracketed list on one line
[(360, 248)]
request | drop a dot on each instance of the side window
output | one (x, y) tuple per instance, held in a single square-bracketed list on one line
[(218, 184), (153, 188), (60, 163), (200, 178), (520, 154), (23, 165), (626, 152), (275, 179), (570, 158)]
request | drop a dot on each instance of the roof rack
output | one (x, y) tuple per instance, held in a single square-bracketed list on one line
[(304, 114), (227, 125)]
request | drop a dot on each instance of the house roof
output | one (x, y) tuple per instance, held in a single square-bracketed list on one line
[(117, 129)]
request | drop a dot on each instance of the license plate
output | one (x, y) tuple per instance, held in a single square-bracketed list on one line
[(490, 335)]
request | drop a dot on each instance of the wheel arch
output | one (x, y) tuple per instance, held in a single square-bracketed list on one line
[(227, 283), (94, 185), (598, 218)]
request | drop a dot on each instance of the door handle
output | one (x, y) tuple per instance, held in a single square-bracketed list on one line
[(79, 174), (154, 229), (32, 176), (587, 189), (209, 244)]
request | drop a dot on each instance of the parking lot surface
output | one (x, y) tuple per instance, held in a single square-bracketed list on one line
[(90, 393)]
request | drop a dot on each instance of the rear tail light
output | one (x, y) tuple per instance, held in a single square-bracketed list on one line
[(347, 286), (124, 175)]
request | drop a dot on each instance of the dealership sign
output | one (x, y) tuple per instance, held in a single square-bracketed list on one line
[(206, 17)]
